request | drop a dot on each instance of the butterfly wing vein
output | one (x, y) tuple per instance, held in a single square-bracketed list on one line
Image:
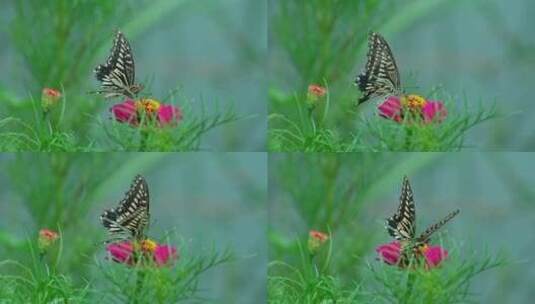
[(381, 75), (117, 75), (132, 215)]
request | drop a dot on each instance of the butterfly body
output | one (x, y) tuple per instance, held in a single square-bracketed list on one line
[(380, 76), (117, 75), (131, 217), (402, 225)]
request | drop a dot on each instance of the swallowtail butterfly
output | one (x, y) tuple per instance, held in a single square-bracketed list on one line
[(132, 215), (117, 75), (380, 76), (402, 225)]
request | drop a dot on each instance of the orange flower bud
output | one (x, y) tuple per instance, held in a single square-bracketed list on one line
[(316, 240), (317, 90), (47, 237), (49, 98), (315, 93)]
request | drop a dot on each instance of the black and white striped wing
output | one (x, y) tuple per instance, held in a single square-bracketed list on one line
[(132, 215), (402, 224), (381, 75), (426, 235), (117, 75)]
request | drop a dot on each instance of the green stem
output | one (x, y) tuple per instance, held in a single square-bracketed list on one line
[(46, 120), (143, 141), (311, 117), (314, 266), (140, 277), (311, 270), (408, 140), (410, 287)]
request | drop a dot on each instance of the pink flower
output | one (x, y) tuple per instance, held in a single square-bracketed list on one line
[(121, 252), (169, 114), (391, 108), (433, 255), (128, 252), (389, 253), (125, 112), (131, 111), (434, 111), (413, 107), (164, 253)]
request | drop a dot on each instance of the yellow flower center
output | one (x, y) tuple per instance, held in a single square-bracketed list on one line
[(423, 248), (148, 105), (413, 101), (148, 245)]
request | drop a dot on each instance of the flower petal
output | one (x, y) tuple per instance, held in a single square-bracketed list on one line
[(389, 253), (49, 98), (316, 239), (434, 111), (316, 90), (125, 112), (121, 252), (168, 114), (434, 255), (391, 108), (163, 253), (53, 93), (46, 238)]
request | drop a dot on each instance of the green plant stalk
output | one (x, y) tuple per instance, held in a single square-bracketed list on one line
[(327, 104), (304, 263), (299, 110), (410, 286), (329, 253), (408, 139), (311, 119), (46, 120), (143, 141), (140, 279), (315, 269)]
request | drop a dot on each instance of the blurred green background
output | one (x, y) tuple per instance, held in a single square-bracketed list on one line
[(212, 51), (205, 198), (481, 50), (352, 194)]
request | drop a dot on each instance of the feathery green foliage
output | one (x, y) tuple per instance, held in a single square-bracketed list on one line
[(152, 284), (449, 283), (322, 42), (43, 281), (340, 193), (60, 43)]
